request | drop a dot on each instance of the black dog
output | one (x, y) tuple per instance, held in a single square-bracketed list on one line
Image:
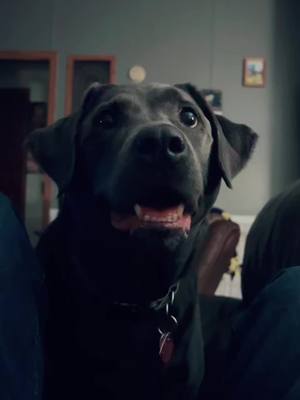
[(138, 168)]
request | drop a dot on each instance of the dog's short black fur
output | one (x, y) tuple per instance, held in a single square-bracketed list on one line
[(158, 147)]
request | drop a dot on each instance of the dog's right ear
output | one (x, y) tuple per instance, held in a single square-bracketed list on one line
[(53, 147)]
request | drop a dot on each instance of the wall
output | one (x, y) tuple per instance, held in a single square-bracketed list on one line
[(244, 28), (285, 117), (203, 41), (26, 25)]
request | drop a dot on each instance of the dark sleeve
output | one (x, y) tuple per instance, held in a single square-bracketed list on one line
[(217, 317), (21, 283), (265, 351)]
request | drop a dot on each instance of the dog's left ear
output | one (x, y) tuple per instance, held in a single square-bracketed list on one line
[(53, 148), (235, 142)]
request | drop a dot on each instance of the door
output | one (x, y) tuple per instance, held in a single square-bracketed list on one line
[(36, 72), (14, 126)]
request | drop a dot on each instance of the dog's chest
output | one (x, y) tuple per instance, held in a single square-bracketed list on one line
[(120, 357), (117, 357)]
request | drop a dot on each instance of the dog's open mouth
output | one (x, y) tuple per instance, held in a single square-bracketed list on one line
[(150, 218)]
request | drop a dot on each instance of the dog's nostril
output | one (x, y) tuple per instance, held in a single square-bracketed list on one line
[(148, 146), (176, 145)]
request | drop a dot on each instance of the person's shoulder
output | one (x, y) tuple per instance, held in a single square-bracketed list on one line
[(5, 203), (219, 305), (8, 216), (217, 314), (3, 197)]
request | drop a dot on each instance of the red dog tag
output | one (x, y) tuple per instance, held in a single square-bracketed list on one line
[(166, 348)]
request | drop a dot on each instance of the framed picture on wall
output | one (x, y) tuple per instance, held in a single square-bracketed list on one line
[(254, 72)]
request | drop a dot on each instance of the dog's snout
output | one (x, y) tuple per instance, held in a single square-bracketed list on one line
[(148, 145), (154, 142)]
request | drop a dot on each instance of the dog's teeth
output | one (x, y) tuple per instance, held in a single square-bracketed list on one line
[(169, 218), (138, 210)]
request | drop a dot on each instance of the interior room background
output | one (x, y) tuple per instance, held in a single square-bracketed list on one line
[(201, 41)]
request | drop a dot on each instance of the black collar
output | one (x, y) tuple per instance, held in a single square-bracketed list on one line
[(156, 305)]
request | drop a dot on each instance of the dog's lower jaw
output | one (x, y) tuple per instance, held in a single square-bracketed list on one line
[(164, 239), (138, 268)]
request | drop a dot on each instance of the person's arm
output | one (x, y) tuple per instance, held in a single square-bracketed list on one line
[(21, 283)]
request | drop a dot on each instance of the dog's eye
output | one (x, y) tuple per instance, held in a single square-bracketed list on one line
[(188, 117), (106, 120)]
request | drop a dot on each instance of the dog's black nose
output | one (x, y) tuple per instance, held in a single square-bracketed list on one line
[(163, 141)]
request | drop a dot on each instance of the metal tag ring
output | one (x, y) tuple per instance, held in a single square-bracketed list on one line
[(174, 320)]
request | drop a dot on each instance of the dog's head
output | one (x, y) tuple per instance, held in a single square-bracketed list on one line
[(151, 156)]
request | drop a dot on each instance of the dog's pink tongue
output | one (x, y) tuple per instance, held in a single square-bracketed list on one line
[(168, 218)]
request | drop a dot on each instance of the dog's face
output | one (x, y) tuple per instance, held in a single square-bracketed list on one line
[(146, 152), (150, 156)]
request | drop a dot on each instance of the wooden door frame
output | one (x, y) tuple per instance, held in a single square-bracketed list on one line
[(70, 74), (52, 58)]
